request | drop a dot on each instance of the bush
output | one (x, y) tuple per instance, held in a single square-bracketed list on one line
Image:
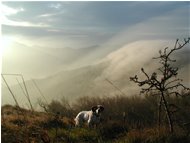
[(53, 123), (150, 135), (112, 130)]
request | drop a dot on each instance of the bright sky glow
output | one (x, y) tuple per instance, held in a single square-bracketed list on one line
[(36, 27), (9, 11), (6, 43)]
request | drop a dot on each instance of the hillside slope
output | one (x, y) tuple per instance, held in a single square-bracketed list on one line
[(90, 80)]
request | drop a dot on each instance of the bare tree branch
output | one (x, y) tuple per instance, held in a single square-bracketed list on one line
[(166, 84)]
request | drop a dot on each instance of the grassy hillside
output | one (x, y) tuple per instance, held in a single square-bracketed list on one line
[(138, 125)]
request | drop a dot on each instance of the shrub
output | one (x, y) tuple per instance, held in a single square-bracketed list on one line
[(150, 135), (112, 130)]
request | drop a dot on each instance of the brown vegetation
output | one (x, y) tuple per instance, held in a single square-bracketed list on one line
[(125, 119), (138, 125)]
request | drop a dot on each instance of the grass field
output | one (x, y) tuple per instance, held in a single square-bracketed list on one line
[(139, 126)]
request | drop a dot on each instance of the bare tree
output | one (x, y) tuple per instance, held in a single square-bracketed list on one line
[(168, 84), (43, 105)]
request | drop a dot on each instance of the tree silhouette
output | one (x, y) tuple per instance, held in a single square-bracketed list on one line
[(168, 84)]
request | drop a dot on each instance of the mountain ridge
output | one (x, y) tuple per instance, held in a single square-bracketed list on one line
[(117, 67)]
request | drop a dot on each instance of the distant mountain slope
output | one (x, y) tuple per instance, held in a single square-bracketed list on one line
[(40, 61), (116, 67), (70, 84)]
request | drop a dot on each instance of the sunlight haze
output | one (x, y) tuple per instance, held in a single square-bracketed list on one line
[(69, 48)]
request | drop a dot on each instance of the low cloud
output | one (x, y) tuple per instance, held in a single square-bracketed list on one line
[(39, 49), (128, 60)]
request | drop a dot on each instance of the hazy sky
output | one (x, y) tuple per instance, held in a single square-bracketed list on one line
[(42, 38), (107, 25)]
